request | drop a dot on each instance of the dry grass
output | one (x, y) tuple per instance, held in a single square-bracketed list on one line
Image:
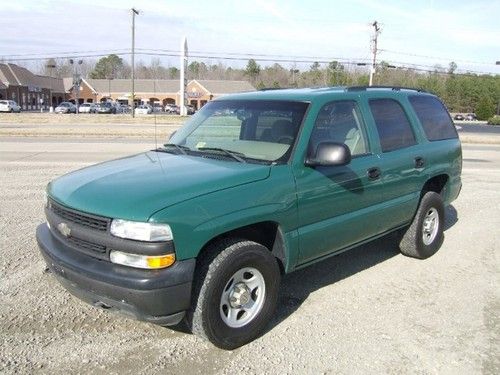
[(52, 118)]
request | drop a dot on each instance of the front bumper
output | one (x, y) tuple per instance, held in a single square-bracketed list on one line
[(157, 296)]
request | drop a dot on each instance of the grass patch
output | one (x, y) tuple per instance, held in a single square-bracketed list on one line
[(27, 118)]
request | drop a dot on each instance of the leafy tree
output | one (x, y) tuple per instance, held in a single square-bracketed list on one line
[(485, 108), (109, 66), (252, 69), (194, 69), (452, 67), (173, 72), (315, 74), (336, 75), (315, 67)]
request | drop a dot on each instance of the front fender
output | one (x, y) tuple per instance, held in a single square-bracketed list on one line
[(197, 221)]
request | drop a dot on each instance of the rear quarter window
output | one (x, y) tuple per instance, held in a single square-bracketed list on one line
[(393, 127), (434, 118)]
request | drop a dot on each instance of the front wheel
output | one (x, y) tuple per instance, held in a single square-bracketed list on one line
[(425, 235), (235, 293)]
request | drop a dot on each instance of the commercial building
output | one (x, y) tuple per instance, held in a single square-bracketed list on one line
[(34, 92), (30, 91), (149, 91)]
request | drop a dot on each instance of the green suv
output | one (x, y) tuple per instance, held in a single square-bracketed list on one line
[(253, 186)]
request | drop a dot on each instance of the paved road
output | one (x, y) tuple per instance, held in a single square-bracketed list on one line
[(370, 310), (467, 127)]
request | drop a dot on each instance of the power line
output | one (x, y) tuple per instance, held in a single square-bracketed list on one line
[(436, 58), (243, 57)]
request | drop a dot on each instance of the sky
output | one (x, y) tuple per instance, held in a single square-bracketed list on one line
[(420, 32)]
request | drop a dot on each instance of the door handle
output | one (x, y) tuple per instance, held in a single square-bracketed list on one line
[(373, 173), (419, 162)]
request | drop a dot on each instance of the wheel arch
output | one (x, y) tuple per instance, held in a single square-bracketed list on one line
[(265, 233), (436, 184)]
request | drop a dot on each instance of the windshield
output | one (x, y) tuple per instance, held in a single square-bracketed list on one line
[(260, 130)]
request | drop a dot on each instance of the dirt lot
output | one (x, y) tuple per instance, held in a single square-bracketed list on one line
[(370, 310)]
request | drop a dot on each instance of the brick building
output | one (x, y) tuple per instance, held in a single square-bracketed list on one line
[(30, 91), (33, 92), (148, 91)]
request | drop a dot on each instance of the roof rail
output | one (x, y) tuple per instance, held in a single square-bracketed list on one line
[(272, 88), (394, 88)]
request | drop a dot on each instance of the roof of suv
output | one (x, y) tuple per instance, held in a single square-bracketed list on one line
[(308, 94)]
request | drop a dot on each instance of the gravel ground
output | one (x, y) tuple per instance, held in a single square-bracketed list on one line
[(370, 310)]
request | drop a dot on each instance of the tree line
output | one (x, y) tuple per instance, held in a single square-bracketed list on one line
[(460, 92)]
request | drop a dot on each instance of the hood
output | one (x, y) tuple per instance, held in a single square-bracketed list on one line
[(135, 187)]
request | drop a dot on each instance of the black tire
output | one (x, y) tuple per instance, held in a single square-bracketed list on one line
[(215, 271), (412, 244)]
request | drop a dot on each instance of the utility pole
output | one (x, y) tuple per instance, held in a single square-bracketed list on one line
[(134, 13), (183, 79), (377, 31)]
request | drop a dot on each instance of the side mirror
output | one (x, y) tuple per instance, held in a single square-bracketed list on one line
[(329, 154)]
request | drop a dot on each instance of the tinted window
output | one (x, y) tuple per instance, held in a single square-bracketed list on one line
[(434, 117), (393, 126), (340, 122)]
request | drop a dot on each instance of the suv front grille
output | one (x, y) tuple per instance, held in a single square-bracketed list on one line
[(95, 222)]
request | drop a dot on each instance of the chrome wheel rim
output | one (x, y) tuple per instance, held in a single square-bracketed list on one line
[(430, 226), (242, 297)]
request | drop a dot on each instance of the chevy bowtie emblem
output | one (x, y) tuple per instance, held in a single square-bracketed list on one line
[(64, 229)]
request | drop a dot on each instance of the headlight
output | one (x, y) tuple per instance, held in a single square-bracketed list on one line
[(142, 261), (133, 230)]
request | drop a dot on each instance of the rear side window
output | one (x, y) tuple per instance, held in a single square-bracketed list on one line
[(434, 118), (393, 126)]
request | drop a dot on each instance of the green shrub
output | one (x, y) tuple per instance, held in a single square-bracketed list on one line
[(485, 108), (495, 120)]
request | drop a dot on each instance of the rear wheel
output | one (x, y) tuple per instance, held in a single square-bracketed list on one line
[(235, 293), (425, 235)]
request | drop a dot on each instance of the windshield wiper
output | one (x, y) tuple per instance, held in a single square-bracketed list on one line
[(234, 154), (181, 149)]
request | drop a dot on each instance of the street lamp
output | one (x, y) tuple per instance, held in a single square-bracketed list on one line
[(76, 81), (51, 64)]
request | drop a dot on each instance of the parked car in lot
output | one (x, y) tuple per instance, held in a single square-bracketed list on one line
[(459, 117), (470, 117), (253, 186), (107, 108), (157, 107), (9, 106), (172, 108), (65, 107), (125, 108), (143, 110), (87, 108)]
